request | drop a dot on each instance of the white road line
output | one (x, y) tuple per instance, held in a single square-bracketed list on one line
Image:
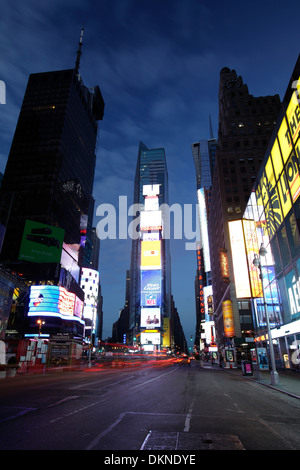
[(151, 380), (188, 417)]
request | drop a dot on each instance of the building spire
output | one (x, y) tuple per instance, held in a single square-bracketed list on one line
[(210, 128), (79, 52)]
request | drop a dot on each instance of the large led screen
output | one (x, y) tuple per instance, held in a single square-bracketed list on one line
[(151, 288), (150, 255), (150, 220), (41, 243), (150, 338), (150, 318), (239, 261), (53, 300)]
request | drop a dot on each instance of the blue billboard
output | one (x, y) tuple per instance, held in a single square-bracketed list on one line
[(151, 288)]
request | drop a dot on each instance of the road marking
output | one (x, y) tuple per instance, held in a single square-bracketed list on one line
[(151, 380), (188, 417)]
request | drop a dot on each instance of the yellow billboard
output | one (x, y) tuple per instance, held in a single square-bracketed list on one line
[(293, 117), (252, 249), (151, 254), (167, 333), (228, 319)]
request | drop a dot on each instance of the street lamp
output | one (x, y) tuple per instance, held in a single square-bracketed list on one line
[(91, 343), (257, 263), (40, 323)]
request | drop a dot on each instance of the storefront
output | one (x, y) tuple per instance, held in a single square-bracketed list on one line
[(274, 206)]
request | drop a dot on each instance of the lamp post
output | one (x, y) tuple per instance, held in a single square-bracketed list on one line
[(91, 343), (40, 323), (257, 263)]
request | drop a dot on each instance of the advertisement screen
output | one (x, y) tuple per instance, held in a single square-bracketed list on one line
[(150, 338), (167, 333), (240, 267), (146, 236), (252, 249), (150, 220), (150, 318), (228, 319), (150, 255), (151, 288), (151, 203), (54, 300), (41, 243), (151, 190)]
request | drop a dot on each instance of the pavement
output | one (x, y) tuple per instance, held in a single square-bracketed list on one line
[(289, 380)]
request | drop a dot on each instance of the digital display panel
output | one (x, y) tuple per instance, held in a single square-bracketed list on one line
[(151, 203), (151, 189), (279, 185), (150, 220), (150, 338), (228, 319), (54, 300), (240, 267), (151, 254), (150, 318), (251, 243), (41, 243), (151, 288)]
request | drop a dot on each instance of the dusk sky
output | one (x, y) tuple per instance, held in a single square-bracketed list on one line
[(158, 65)]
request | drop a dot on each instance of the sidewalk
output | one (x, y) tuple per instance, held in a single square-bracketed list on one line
[(289, 381)]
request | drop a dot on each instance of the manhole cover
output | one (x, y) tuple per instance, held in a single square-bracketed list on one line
[(158, 440)]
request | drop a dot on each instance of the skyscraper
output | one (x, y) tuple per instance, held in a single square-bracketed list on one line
[(151, 172), (245, 126), (204, 158), (48, 181)]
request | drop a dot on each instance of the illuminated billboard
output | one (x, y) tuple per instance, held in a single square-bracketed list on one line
[(251, 244), (148, 338), (203, 228), (150, 220), (150, 318), (151, 254), (151, 189), (41, 243), (150, 236), (167, 333), (239, 260), (151, 203), (228, 319), (54, 301), (279, 184), (151, 288)]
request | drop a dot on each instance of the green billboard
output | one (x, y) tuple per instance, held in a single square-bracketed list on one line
[(41, 243)]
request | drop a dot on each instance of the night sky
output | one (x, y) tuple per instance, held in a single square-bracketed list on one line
[(157, 64)]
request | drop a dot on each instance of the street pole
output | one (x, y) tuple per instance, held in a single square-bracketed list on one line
[(257, 262)]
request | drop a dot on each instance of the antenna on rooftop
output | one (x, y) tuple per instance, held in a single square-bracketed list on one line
[(210, 128), (79, 52)]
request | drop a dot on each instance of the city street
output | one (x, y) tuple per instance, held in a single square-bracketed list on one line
[(163, 406)]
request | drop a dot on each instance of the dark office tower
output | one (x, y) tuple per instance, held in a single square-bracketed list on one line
[(151, 170), (245, 126), (49, 175), (50, 169)]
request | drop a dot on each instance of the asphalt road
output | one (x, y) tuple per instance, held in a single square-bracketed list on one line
[(152, 408)]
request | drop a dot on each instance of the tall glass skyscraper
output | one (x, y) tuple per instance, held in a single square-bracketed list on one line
[(151, 170)]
